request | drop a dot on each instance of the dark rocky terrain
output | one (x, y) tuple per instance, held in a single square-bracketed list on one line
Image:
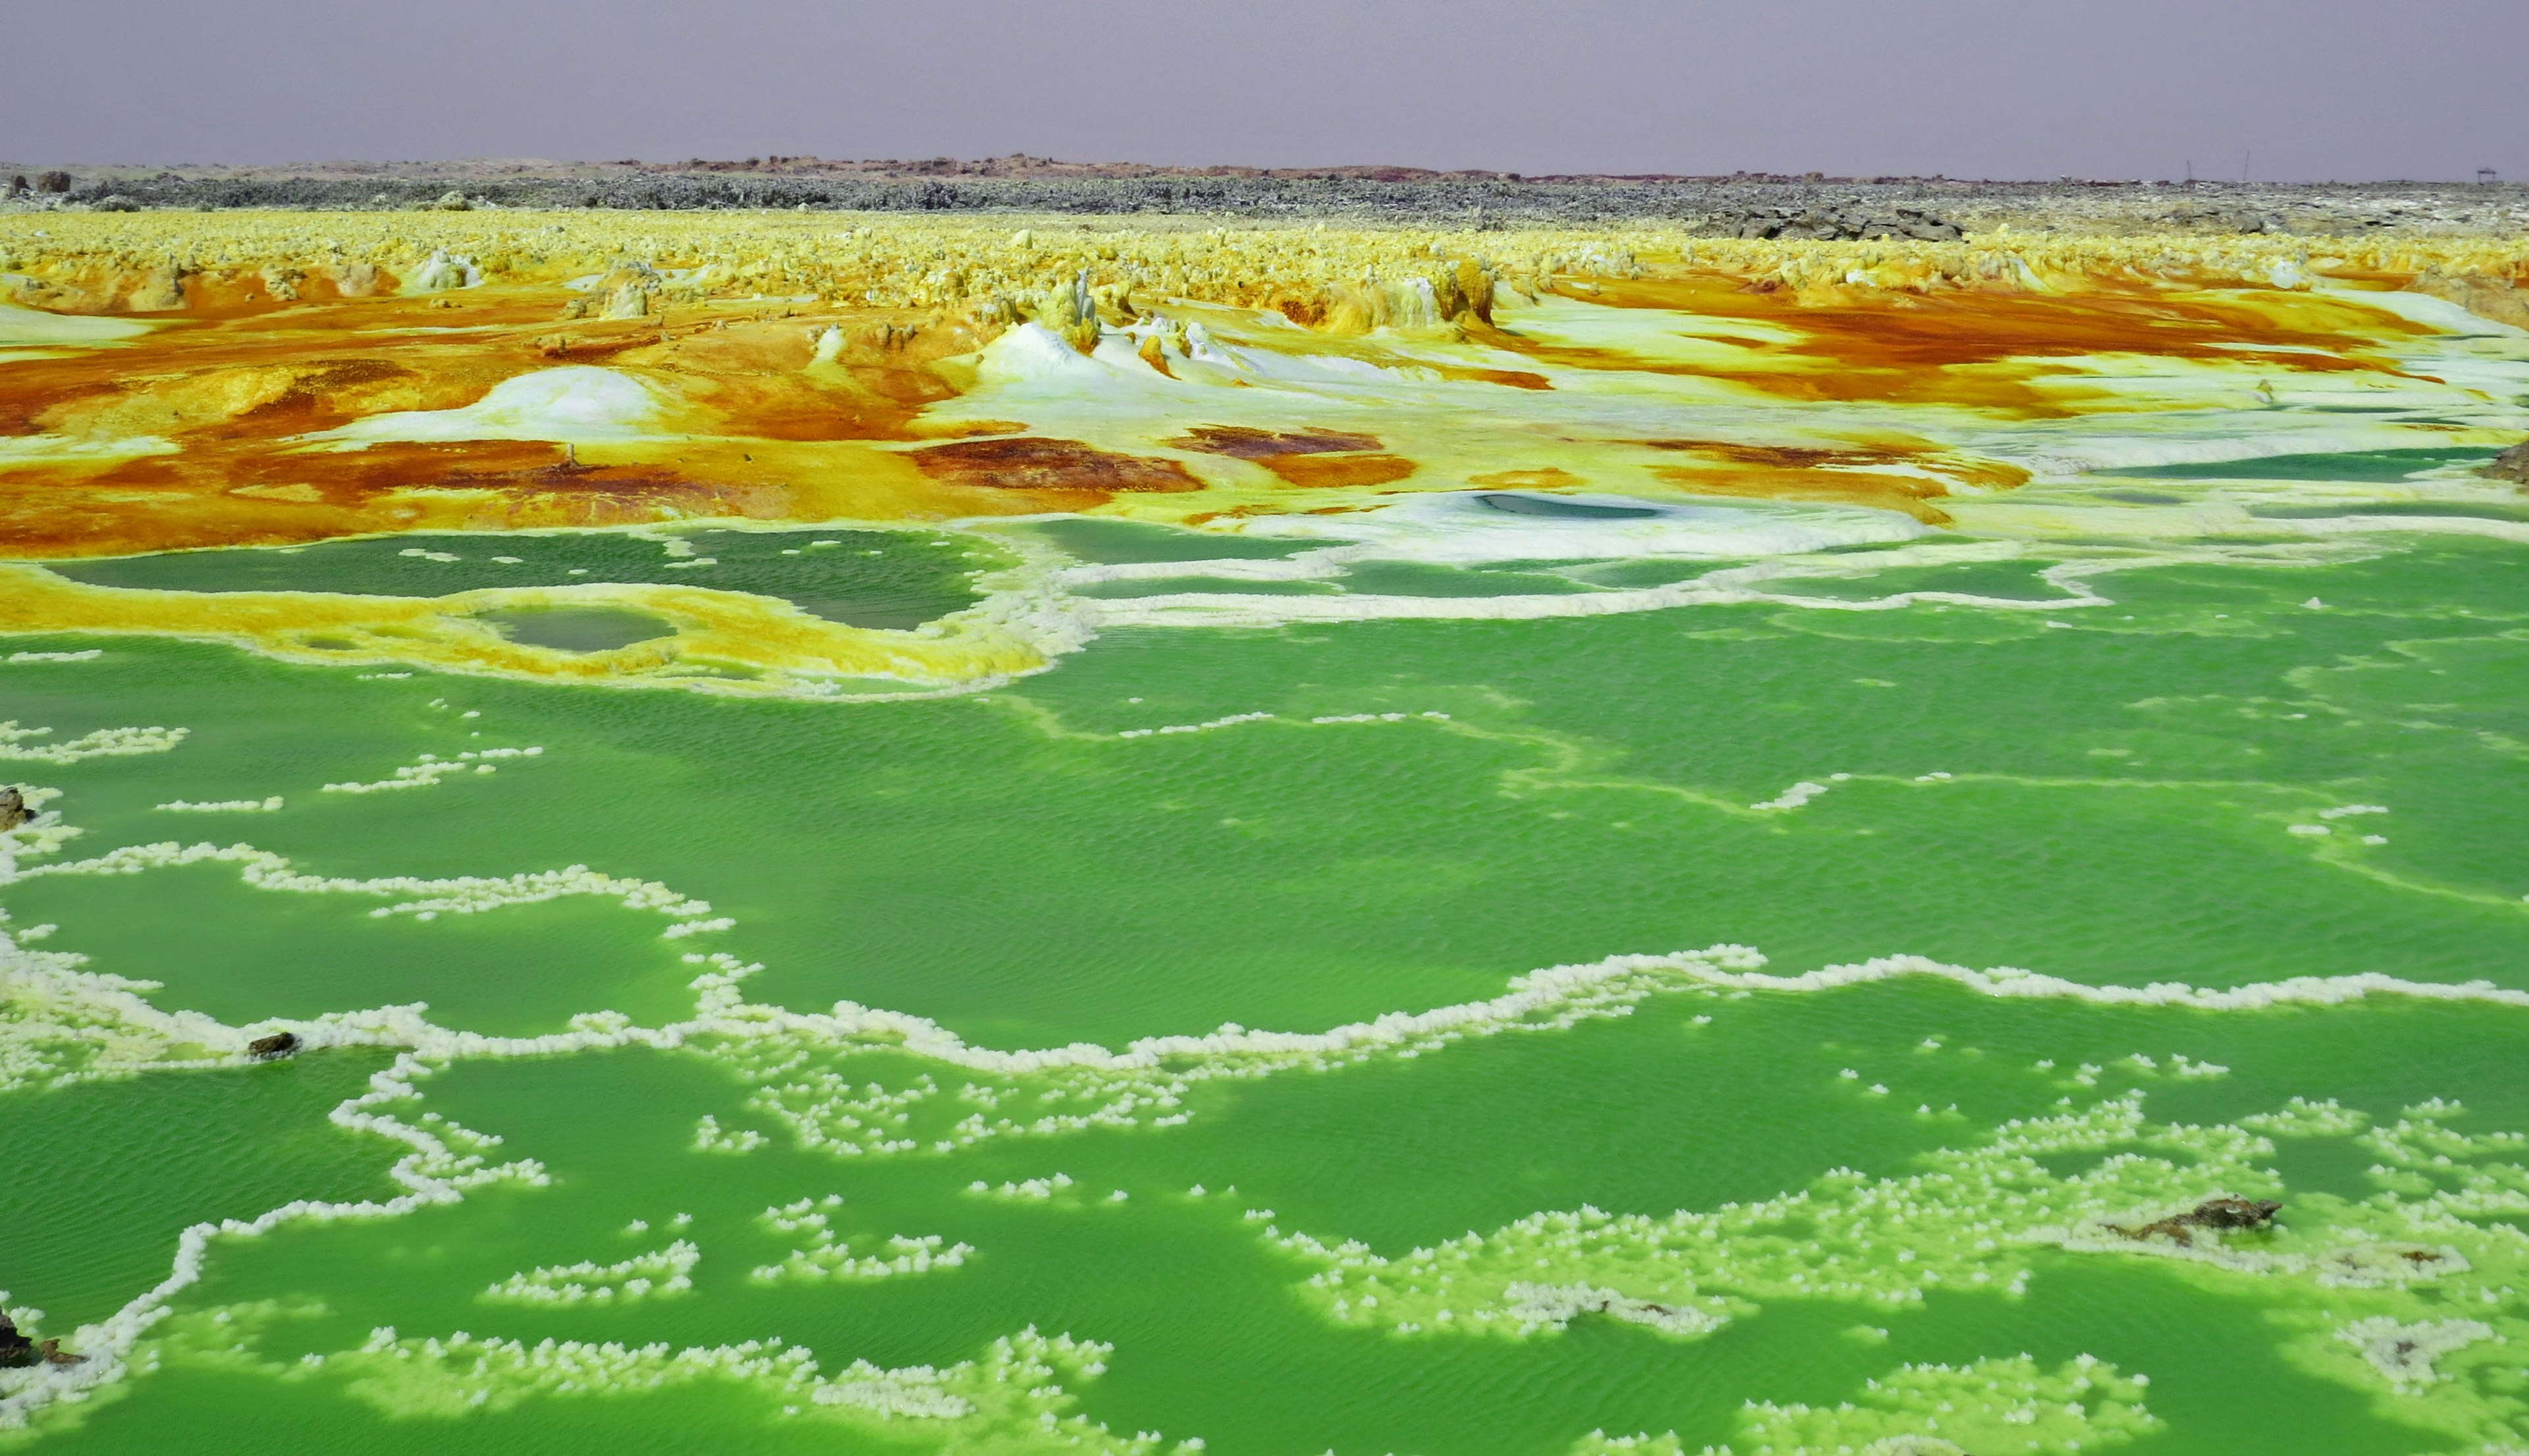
[(1743, 204)]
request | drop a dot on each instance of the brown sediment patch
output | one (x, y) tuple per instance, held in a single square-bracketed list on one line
[(1309, 458), (1320, 471), (1507, 378), (758, 430), (1987, 348), (1973, 471), (1246, 443), (1882, 476), (1035, 464)]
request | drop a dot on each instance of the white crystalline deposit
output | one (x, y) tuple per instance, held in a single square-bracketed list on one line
[(423, 775), (114, 742), (1793, 797), (59, 1024), (222, 806), (1992, 1405), (463, 894), (1039, 1189), (1975, 1219), (1554, 1306), (1053, 1090), (667, 1271), (578, 403), (444, 1161), (2404, 1353), (1996, 1405), (826, 1256), (88, 656), (1013, 1398), (1231, 720)]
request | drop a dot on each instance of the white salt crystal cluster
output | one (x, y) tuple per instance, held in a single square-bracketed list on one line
[(667, 1271), (113, 743), (1793, 797), (828, 1257)]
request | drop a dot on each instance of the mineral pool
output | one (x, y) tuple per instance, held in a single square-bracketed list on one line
[(755, 834)]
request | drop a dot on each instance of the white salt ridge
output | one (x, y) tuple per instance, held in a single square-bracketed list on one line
[(667, 1271), (217, 806), (1724, 585), (2404, 1353), (1975, 1219), (445, 1162), (1793, 797), (829, 1258), (464, 894), (114, 742), (1231, 720), (88, 656), (1039, 1189), (1554, 1306), (1015, 1389), (432, 768), (1625, 977)]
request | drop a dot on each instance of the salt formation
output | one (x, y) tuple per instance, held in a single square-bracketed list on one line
[(667, 1271), (828, 1257)]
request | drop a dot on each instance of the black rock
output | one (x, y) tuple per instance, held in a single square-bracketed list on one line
[(2213, 1213), (15, 1348), (13, 808), (2230, 1212), (274, 1047)]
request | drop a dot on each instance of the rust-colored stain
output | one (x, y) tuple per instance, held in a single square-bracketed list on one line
[(1035, 463), (1986, 349), (1317, 472), (233, 383), (803, 380), (1246, 443)]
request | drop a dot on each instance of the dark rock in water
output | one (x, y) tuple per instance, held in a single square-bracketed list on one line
[(54, 1353), (2231, 1213), (274, 1047), (2213, 1213), (2513, 464), (15, 1348), (13, 808)]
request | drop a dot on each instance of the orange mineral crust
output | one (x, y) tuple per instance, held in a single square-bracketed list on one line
[(182, 380)]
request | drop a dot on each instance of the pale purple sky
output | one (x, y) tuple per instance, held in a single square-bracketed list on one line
[(2315, 88)]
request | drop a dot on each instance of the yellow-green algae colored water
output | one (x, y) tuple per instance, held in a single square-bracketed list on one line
[(1512, 971)]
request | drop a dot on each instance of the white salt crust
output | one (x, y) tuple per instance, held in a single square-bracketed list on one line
[(67, 1024)]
